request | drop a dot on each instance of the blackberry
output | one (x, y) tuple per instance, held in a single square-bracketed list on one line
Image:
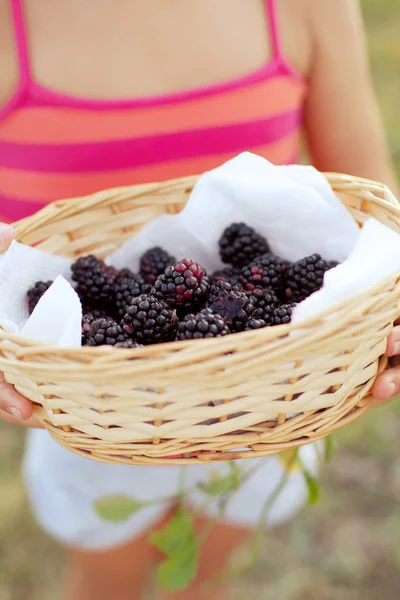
[(232, 304), (240, 245), (87, 322), (283, 314), (205, 324), (127, 286), (95, 281), (149, 320), (105, 332), (35, 293), (265, 302), (154, 262), (306, 276), (267, 271), (229, 274), (255, 324), (128, 344), (183, 284), (221, 287), (87, 309)]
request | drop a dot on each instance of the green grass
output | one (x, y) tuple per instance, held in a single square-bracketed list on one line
[(346, 548)]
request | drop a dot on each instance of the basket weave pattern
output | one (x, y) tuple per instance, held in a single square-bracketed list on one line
[(244, 395)]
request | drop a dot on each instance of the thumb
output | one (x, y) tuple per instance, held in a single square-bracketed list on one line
[(6, 236)]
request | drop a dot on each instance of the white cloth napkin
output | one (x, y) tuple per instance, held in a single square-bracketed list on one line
[(375, 258), (292, 206), (58, 314)]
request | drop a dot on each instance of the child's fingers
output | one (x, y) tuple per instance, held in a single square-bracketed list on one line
[(14, 404), (387, 385), (31, 423), (393, 343), (6, 236)]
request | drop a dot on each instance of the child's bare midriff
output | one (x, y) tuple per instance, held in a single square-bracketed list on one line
[(103, 49)]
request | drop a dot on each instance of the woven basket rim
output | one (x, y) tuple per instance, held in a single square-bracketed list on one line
[(389, 201)]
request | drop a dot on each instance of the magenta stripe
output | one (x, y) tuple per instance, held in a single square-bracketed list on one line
[(147, 150), (14, 209)]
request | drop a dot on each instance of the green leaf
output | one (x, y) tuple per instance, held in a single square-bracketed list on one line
[(179, 569), (117, 508), (312, 486), (220, 485), (178, 532), (236, 473), (329, 448), (178, 541)]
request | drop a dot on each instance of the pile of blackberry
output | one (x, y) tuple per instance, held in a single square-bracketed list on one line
[(170, 300)]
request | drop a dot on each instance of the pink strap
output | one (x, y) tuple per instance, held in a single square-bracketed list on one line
[(273, 23), (21, 40)]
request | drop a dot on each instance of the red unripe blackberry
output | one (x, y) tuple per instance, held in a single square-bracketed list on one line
[(149, 320), (154, 262), (267, 271), (306, 276), (184, 284), (35, 293), (204, 324), (240, 244)]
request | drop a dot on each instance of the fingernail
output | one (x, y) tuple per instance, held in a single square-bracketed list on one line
[(396, 349), (15, 412), (393, 387)]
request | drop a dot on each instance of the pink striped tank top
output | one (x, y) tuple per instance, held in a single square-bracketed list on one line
[(55, 146)]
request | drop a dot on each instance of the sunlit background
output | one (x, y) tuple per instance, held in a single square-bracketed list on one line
[(347, 547)]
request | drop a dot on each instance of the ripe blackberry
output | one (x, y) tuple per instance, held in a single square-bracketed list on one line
[(154, 262), (87, 322), (105, 332), (127, 286), (97, 314), (232, 304), (35, 293), (306, 276), (220, 287), (183, 284), (229, 274), (128, 344), (283, 314), (240, 244), (205, 324), (95, 281), (255, 324), (267, 271), (149, 320), (265, 302)]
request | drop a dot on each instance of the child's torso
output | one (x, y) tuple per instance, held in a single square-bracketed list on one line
[(178, 119)]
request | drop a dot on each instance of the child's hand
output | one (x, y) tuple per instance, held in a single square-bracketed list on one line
[(388, 384), (13, 407)]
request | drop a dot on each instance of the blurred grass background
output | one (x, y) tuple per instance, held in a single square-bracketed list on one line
[(347, 547)]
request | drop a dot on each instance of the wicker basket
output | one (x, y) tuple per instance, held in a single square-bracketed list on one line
[(244, 395)]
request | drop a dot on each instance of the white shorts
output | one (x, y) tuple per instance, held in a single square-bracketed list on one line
[(63, 486)]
